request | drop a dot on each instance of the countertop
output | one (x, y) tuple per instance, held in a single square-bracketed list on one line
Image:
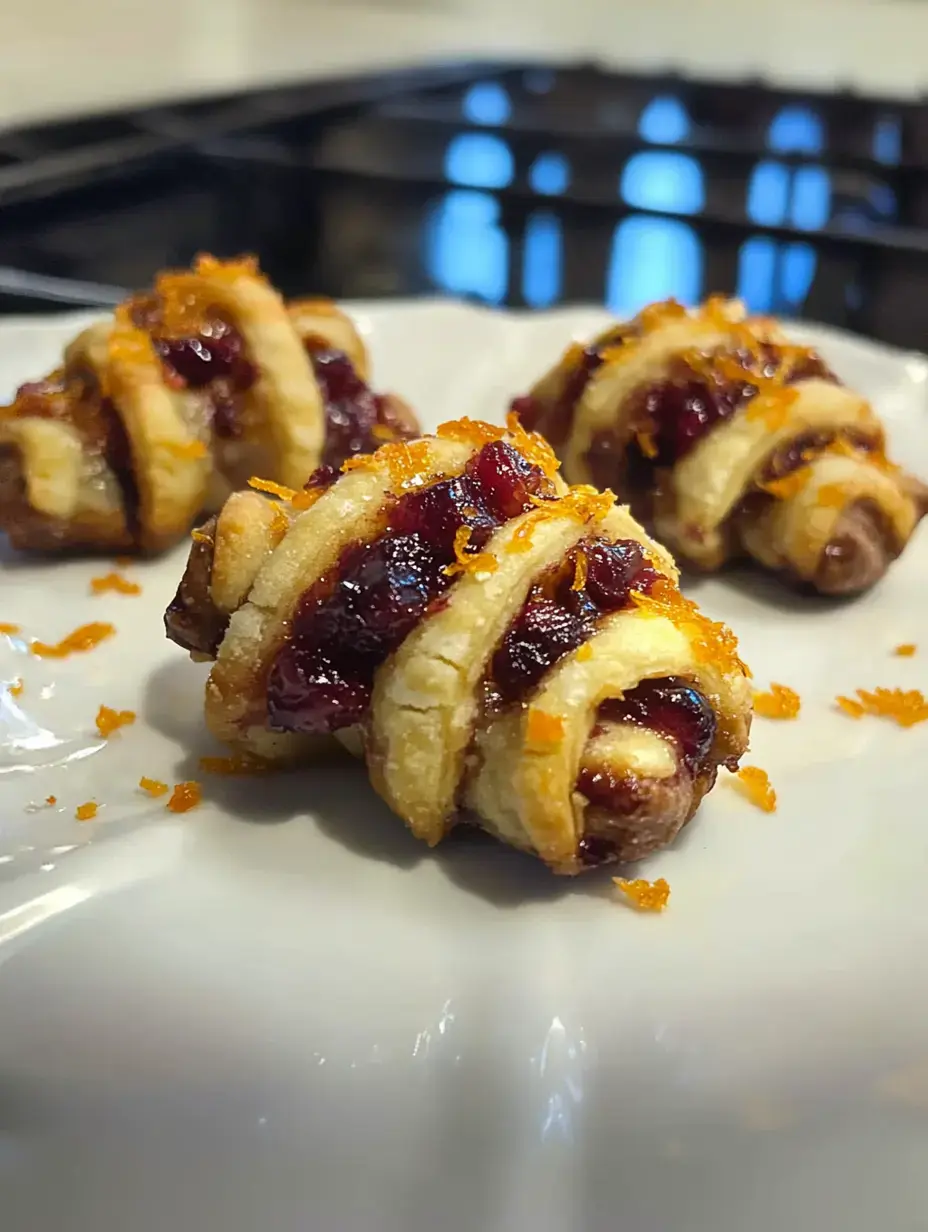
[(67, 57)]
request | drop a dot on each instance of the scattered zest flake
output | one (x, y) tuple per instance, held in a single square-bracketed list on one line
[(306, 498), (644, 895), (710, 640), (271, 488), (238, 763), (85, 638), (469, 562), (280, 523), (754, 784), (521, 540), (832, 496), (50, 800), (16, 688), (535, 448), (153, 787), (904, 706), (187, 450), (579, 571), (789, 485), (109, 721), (584, 652), (647, 444), (470, 432), (86, 812), (115, 582), (780, 703), (6, 627), (185, 797), (198, 536), (544, 729), (906, 650)]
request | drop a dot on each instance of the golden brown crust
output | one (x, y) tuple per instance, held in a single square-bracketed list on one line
[(431, 745), (727, 494), (117, 450)]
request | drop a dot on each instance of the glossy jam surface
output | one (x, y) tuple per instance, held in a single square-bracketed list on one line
[(210, 358), (559, 615), (670, 706), (349, 622), (678, 412), (353, 413)]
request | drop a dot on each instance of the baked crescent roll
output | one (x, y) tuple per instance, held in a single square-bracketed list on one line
[(728, 440), (495, 645), (159, 413)]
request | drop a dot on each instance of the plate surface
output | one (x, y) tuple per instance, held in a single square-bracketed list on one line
[(279, 1012)]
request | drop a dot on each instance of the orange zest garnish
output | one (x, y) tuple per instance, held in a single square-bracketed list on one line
[(109, 721), (280, 523), (238, 763), (754, 784), (271, 488), (6, 627), (86, 812), (521, 540), (771, 408), (153, 787), (780, 703), (646, 443), (115, 582), (644, 895), (199, 536), (580, 569), (788, 486), (16, 687), (470, 432), (469, 562), (382, 432), (584, 652), (582, 502), (533, 447), (50, 800), (904, 706), (186, 450), (906, 650), (544, 729), (832, 496), (710, 640), (185, 797), (307, 497), (84, 638)]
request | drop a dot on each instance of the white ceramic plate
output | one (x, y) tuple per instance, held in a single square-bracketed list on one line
[(280, 1013)]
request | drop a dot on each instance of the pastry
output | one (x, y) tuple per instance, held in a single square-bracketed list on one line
[(156, 415), (495, 645), (728, 440)]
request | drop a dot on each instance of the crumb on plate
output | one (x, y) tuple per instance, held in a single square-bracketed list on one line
[(109, 720), (780, 702)]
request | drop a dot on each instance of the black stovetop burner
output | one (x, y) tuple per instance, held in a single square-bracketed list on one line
[(515, 185)]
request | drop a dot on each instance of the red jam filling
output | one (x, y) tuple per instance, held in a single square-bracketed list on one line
[(349, 622), (555, 421), (352, 411), (670, 706), (556, 618), (680, 411)]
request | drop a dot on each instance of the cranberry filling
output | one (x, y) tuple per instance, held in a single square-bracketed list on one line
[(349, 622), (555, 618), (555, 420), (680, 411), (672, 707), (352, 410)]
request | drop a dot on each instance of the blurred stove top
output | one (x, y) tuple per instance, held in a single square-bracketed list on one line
[(511, 184)]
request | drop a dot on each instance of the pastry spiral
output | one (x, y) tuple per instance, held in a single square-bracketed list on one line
[(728, 440), (159, 413), (495, 645)]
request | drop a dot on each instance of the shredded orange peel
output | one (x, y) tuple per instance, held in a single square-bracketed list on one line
[(87, 637), (185, 796), (109, 720), (153, 787), (754, 784), (469, 562), (710, 640), (780, 702), (905, 650), (644, 895), (86, 812), (904, 706), (544, 730), (114, 582)]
